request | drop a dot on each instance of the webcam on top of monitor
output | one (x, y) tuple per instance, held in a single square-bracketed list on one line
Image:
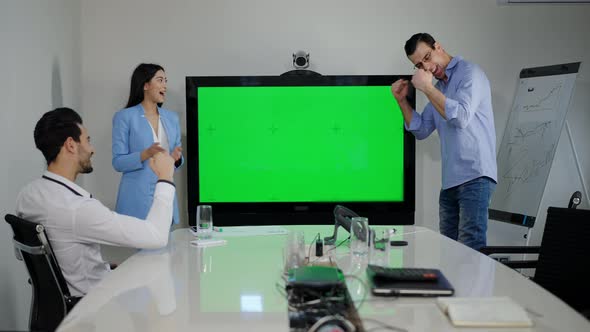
[(300, 60), (301, 63)]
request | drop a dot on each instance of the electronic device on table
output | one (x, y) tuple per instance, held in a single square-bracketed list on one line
[(318, 298), (389, 281), (343, 218)]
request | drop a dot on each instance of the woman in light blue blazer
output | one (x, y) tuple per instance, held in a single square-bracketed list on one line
[(141, 130)]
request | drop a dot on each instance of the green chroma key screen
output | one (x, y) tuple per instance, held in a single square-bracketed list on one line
[(299, 144)]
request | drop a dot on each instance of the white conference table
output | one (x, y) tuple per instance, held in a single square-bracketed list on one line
[(237, 287)]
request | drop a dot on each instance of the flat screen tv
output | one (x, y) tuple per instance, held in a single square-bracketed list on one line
[(276, 150)]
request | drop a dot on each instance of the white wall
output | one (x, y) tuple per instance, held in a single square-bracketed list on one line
[(40, 59), (225, 37)]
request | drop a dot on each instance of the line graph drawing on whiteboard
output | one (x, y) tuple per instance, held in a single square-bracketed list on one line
[(547, 102), (524, 169), (523, 132), (527, 154)]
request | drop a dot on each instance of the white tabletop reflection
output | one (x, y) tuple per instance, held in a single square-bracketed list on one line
[(240, 285)]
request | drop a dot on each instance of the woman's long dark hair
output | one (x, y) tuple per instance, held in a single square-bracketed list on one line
[(141, 75)]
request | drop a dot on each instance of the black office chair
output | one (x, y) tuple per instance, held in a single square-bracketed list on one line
[(563, 256), (51, 299)]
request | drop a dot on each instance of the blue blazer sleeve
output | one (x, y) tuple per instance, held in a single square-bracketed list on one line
[(123, 159), (177, 141)]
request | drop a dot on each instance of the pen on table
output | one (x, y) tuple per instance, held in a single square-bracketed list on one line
[(217, 229)]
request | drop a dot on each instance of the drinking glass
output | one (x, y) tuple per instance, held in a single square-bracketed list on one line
[(204, 221), (359, 236), (294, 253)]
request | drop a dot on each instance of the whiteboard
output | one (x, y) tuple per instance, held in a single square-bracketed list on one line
[(530, 141)]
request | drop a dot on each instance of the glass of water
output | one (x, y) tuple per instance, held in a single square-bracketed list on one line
[(359, 236), (204, 221), (294, 254)]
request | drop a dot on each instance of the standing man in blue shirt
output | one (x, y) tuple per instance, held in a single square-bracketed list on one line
[(460, 109)]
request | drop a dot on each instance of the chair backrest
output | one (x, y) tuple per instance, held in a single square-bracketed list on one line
[(564, 256), (51, 299)]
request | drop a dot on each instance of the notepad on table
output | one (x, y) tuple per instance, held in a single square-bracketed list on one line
[(484, 312), (236, 231), (211, 242)]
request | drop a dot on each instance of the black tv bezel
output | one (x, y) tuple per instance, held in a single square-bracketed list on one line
[(301, 213)]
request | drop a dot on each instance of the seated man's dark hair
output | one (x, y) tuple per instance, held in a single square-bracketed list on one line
[(412, 43), (54, 128)]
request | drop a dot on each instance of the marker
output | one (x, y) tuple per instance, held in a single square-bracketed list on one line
[(217, 229)]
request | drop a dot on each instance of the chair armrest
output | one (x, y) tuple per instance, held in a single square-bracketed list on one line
[(510, 250), (514, 264), (525, 264)]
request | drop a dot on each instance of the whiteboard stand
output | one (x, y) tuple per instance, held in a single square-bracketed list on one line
[(528, 235), (528, 147)]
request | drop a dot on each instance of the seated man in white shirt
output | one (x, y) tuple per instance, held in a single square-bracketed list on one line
[(76, 223)]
